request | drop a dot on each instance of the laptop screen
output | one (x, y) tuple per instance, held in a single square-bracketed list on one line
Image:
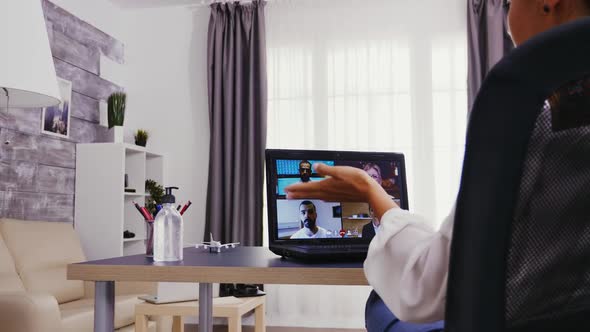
[(334, 222)]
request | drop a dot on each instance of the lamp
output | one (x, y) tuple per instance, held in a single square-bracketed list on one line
[(27, 73)]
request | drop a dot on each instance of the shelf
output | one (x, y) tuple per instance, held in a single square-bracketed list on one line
[(100, 168), (131, 148), (151, 155), (134, 239)]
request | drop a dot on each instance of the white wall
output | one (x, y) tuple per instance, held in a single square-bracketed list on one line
[(165, 78), (167, 95)]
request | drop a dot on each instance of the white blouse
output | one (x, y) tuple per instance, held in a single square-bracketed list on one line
[(407, 265)]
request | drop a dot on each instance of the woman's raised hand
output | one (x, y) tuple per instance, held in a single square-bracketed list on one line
[(343, 184)]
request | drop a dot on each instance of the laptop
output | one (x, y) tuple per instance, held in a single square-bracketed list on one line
[(169, 292), (315, 230)]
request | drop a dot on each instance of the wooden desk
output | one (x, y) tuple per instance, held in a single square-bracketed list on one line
[(240, 265)]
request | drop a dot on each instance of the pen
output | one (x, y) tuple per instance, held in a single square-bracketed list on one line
[(140, 209), (146, 214), (185, 207)]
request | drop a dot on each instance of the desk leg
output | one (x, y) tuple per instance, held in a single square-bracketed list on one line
[(205, 307), (104, 306)]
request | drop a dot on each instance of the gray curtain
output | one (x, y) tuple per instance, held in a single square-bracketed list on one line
[(236, 56), (488, 40)]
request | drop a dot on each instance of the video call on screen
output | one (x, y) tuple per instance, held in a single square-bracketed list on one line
[(315, 219)]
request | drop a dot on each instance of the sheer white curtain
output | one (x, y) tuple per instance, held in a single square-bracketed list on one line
[(376, 75)]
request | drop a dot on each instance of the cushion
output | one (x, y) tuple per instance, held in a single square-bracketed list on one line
[(41, 252)]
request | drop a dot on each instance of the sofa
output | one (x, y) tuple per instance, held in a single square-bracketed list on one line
[(34, 293)]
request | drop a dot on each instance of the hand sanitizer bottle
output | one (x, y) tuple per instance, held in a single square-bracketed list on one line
[(168, 231)]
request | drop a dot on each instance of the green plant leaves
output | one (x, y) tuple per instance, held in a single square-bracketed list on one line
[(116, 109), (156, 193)]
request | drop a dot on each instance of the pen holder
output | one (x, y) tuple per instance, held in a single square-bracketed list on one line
[(149, 238)]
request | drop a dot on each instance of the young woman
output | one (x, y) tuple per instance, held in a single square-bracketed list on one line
[(407, 263)]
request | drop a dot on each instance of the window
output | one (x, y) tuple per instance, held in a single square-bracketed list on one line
[(367, 75), (363, 96)]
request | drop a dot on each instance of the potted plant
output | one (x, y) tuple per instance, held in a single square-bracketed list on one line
[(116, 115), (155, 193), (141, 137)]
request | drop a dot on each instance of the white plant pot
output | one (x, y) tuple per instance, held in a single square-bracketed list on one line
[(116, 134)]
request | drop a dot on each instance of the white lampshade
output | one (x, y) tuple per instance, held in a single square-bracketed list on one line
[(26, 65)]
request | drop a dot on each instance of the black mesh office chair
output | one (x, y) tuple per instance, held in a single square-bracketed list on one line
[(520, 255)]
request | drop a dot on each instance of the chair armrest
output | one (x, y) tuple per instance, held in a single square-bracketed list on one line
[(123, 288), (29, 312)]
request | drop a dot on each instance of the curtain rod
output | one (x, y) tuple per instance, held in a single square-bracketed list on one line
[(210, 2)]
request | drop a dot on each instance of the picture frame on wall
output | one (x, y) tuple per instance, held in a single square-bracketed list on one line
[(55, 120)]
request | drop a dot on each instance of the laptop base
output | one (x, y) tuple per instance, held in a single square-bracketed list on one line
[(352, 254), (153, 299)]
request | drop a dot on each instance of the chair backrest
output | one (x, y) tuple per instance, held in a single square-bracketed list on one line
[(520, 254), (41, 252)]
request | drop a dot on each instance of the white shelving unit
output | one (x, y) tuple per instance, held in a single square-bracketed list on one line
[(134, 239), (103, 210)]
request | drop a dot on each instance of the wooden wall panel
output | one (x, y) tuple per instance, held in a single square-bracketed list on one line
[(78, 30), (74, 53), (38, 149), (87, 132), (33, 177), (55, 180), (2, 203), (18, 175), (85, 108), (84, 82), (23, 120), (39, 206), (55, 208), (20, 146), (37, 171)]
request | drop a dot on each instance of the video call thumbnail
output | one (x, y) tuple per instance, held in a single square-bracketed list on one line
[(296, 219), (292, 167), (315, 219), (386, 173)]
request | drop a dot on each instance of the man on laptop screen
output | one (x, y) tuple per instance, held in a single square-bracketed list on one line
[(308, 217)]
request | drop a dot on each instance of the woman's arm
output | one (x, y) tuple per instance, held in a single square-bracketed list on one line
[(407, 264)]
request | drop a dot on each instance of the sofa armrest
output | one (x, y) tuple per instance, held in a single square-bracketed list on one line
[(29, 312), (123, 288)]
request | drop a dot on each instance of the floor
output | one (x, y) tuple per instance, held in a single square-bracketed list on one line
[(193, 328)]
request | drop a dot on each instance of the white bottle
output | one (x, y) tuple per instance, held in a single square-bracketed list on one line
[(168, 241)]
